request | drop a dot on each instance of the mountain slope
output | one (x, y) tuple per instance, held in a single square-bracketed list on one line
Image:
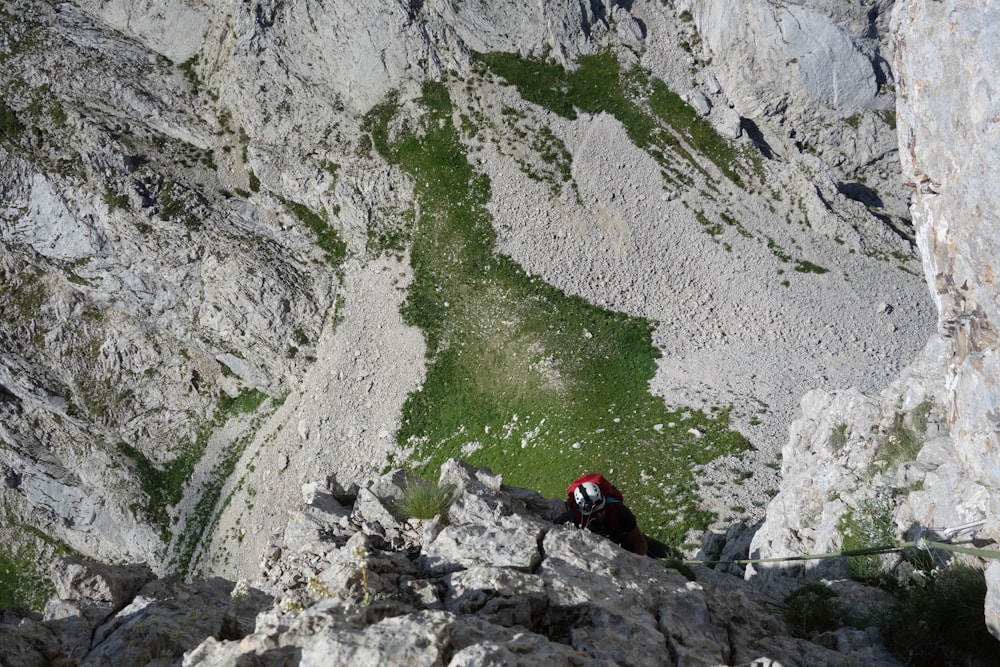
[(213, 259)]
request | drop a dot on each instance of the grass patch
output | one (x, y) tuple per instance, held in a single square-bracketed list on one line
[(900, 443), (809, 610), (10, 125), (246, 402), (921, 417), (25, 555), (327, 238), (804, 266), (838, 437), (425, 500), (655, 118), (522, 378), (164, 486)]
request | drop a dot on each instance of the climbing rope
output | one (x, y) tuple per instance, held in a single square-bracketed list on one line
[(918, 542)]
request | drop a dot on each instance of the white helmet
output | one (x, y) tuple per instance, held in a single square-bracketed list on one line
[(588, 498)]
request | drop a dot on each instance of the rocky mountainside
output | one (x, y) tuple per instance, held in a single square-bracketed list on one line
[(247, 245), (935, 463), (492, 582), (206, 246)]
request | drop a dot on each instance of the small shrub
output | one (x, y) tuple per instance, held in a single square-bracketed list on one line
[(10, 125), (870, 525), (921, 417), (804, 266), (940, 615), (809, 610), (424, 500), (900, 443)]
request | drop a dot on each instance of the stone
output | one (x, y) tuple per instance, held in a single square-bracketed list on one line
[(510, 542), (727, 122), (699, 101), (503, 596), (78, 580)]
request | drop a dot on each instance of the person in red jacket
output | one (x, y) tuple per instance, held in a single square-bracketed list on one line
[(610, 517)]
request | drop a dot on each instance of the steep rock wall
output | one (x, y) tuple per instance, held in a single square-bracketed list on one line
[(834, 462), (949, 136)]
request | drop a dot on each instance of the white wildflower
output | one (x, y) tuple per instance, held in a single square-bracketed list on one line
[(241, 590), (360, 556), (907, 575)]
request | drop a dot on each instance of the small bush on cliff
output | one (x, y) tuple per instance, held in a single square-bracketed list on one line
[(903, 441), (869, 525), (938, 617), (809, 609)]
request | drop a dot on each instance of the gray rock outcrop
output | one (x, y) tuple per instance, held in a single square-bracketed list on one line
[(947, 111), (465, 589)]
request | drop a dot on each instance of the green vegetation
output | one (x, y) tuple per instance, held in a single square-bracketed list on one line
[(556, 162), (938, 614), (327, 238), (902, 443), (164, 486), (838, 437), (921, 416), (173, 206), (188, 69), (889, 116), (20, 583), (869, 525), (114, 200), (188, 542), (522, 378), (809, 610), (656, 119), (425, 500), (10, 125), (24, 559), (803, 266), (777, 250)]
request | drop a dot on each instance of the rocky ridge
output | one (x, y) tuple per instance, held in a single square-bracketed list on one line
[(493, 582)]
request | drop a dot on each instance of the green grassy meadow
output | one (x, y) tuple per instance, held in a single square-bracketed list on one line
[(535, 384)]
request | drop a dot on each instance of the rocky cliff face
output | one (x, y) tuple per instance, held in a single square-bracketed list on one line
[(205, 262), (492, 582), (198, 305), (947, 400)]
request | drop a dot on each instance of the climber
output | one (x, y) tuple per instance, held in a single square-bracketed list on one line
[(604, 513)]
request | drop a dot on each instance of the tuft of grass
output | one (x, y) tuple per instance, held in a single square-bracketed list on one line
[(921, 417), (900, 443), (521, 377), (838, 437), (10, 125), (425, 500), (805, 266)]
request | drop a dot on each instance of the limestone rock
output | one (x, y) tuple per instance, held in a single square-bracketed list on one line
[(78, 580)]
